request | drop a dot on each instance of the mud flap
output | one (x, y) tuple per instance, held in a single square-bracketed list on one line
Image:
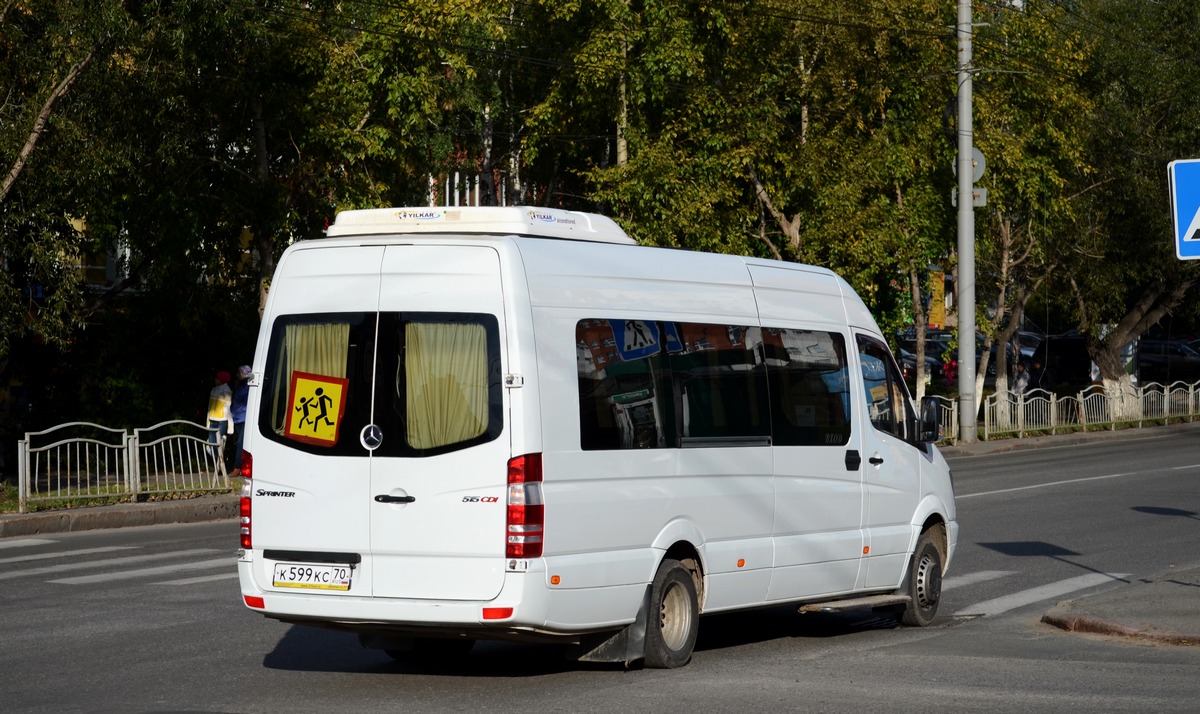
[(625, 645)]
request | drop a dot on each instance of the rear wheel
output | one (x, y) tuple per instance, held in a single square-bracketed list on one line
[(924, 584), (674, 617)]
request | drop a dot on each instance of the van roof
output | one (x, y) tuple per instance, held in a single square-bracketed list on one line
[(487, 220)]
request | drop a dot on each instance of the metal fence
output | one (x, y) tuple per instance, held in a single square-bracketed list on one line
[(81, 460), (1041, 412)]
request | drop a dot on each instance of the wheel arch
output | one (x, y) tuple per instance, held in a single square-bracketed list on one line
[(680, 540), (931, 514)]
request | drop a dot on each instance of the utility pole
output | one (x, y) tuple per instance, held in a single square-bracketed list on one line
[(966, 233)]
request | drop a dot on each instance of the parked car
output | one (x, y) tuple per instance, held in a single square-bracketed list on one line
[(993, 365), (1167, 361), (938, 364), (908, 366), (1029, 341), (1061, 360), (940, 345)]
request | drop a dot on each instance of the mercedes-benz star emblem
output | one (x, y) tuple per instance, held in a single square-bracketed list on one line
[(371, 437)]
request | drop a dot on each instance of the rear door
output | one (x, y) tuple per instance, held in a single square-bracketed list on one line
[(438, 477), (311, 485)]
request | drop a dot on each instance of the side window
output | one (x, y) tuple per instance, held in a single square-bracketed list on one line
[(720, 381), (810, 388), (622, 400), (887, 400)]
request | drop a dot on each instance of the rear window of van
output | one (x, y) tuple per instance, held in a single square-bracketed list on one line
[(428, 382)]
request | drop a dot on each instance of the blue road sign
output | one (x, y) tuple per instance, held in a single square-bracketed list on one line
[(1184, 177), (636, 339)]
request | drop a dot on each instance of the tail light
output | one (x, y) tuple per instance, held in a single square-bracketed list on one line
[(526, 513), (244, 501), (247, 469)]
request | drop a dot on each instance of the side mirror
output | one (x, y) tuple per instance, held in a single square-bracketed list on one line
[(929, 423)]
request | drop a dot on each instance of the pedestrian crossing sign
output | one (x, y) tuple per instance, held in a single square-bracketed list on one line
[(1184, 178), (315, 409)]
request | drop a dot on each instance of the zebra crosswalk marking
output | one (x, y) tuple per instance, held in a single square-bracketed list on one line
[(66, 553), (1048, 591), (229, 561), (63, 567)]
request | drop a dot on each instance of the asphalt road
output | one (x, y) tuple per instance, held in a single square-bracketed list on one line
[(150, 620)]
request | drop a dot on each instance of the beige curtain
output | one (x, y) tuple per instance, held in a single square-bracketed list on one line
[(318, 349), (446, 378)]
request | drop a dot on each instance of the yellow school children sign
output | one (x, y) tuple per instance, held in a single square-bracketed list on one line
[(316, 408)]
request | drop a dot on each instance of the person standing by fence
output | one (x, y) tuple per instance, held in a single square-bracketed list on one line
[(220, 414), (241, 393), (1021, 381)]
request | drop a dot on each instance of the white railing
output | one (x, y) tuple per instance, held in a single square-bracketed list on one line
[(1041, 412), (81, 460)]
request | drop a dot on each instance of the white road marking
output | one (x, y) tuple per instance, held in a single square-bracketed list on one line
[(230, 560), (959, 581), (66, 553), (103, 563), (1038, 594), (24, 542), (201, 579), (959, 497)]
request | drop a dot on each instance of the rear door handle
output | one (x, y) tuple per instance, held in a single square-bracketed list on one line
[(875, 460), (384, 498)]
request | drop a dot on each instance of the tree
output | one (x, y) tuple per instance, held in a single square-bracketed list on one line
[(802, 135), (1122, 274), (1031, 119), (49, 49)]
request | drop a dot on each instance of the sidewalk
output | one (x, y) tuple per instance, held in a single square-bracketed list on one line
[(192, 510), (1000, 446), (1163, 609)]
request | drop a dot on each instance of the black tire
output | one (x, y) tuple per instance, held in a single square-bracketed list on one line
[(924, 583), (434, 651), (674, 617)]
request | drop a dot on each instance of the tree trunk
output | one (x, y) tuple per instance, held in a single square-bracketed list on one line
[(39, 124)]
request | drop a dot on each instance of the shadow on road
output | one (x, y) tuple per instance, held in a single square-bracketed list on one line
[(311, 649)]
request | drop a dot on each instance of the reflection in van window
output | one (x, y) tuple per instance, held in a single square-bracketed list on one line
[(810, 395), (620, 372), (721, 381), (670, 384), (887, 400)]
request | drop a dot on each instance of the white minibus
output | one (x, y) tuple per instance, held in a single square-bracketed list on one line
[(516, 423)]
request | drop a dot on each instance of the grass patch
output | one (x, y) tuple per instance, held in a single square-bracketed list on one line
[(10, 498)]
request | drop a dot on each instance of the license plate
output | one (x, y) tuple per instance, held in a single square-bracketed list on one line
[(310, 576)]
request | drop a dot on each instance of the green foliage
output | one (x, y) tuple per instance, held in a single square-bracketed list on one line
[(200, 138), (1142, 74)]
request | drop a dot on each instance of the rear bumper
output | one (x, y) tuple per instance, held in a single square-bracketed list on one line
[(538, 612)]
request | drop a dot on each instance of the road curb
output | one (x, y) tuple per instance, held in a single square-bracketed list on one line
[(208, 508), (1065, 619)]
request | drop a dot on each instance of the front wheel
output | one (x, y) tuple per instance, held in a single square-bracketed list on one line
[(924, 583), (673, 618)]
